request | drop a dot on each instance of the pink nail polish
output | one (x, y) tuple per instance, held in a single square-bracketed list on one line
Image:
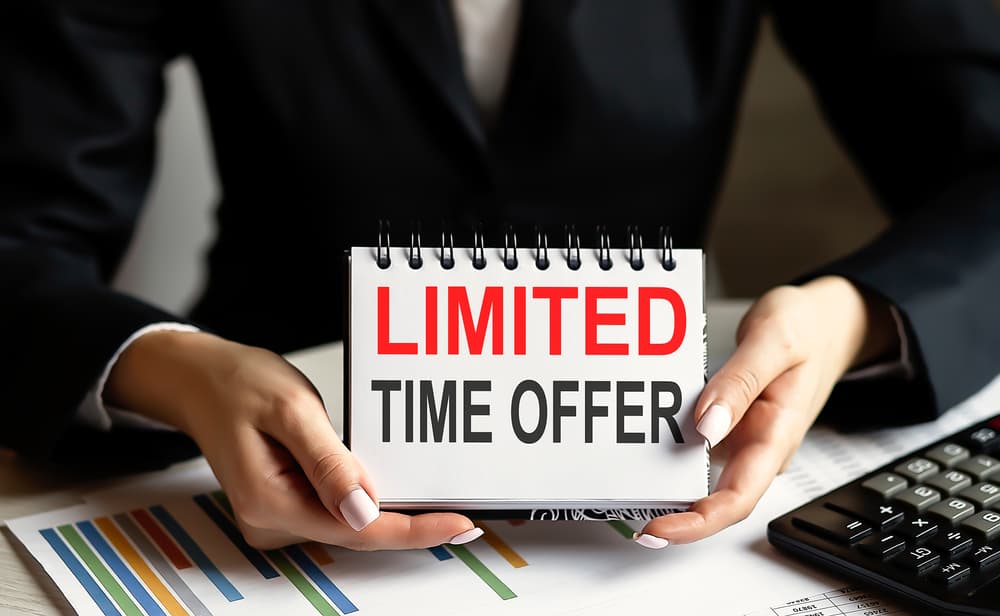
[(470, 535), (715, 423), (650, 541), (359, 509)]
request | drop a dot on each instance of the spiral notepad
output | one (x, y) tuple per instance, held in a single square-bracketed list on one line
[(555, 382)]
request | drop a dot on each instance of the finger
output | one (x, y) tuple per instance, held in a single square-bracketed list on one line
[(397, 531), (302, 426), (298, 515), (769, 433), (765, 353)]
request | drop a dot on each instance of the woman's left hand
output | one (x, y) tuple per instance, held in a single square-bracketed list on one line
[(793, 345)]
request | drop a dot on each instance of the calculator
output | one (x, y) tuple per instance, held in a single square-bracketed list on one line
[(924, 528)]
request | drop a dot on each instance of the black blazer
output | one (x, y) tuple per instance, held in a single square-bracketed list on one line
[(327, 115)]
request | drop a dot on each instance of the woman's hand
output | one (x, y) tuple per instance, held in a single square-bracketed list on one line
[(792, 347), (264, 431)]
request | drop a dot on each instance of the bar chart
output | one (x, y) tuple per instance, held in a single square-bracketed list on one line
[(160, 560)]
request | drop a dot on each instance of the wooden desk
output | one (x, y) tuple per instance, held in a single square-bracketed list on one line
[(27, 488)]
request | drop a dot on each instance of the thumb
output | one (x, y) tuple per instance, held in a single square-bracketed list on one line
[(338, 478), (762, 356)]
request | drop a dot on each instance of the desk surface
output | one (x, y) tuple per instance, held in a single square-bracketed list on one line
[(27, 488)]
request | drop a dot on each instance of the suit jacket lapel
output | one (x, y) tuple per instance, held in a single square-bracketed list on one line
[(426, 30)]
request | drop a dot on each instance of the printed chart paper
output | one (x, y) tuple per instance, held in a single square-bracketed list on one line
[(528, 388)]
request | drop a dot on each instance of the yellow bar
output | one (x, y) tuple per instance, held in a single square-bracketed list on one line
[(318, 553), (501, 547), (140, 567)]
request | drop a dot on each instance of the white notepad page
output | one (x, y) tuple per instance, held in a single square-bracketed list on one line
[(491, 341)]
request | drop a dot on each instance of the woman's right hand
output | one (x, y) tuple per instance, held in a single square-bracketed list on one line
[(265, 433)]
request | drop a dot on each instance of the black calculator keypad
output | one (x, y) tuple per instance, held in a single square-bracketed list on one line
[(925, 527)]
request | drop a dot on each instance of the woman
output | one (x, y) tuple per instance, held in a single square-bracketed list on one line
[(327, 116)]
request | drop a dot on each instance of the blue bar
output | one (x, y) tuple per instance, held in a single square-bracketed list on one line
[(440, 552), (188, 545), (254, 556), (319, 578), (122, 570), (80, 573)]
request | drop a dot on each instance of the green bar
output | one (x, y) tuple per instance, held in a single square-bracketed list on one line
[(624, 529), (101, 572), (480, 569), (223, 500), (301, 583)]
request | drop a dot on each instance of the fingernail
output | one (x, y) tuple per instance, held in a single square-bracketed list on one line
[(715, 424), (358, 509), (470, 535), (650, 541)]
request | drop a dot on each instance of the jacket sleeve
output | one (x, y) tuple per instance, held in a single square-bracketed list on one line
[(80, 90), (913, 91)]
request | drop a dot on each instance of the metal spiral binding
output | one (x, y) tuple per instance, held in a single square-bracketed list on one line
[(509, 251), (572, 246), (634, 250), (479, 249), (382, 255), (541, 250), (541, 257), (667, 249), (416, 261), (447, 259), (604, 248)]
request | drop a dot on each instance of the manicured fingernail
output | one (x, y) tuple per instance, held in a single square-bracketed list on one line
[(470, 535), (715, 424), (650, 541), (359, 509)]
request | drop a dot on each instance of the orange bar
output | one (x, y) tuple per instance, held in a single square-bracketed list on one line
[(165, 543), (318, 553), (140, 567), (501, 547)]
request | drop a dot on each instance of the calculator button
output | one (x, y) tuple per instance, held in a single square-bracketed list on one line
[(919, 528), (980, 467), (919, 498), (983, 439), (985, 525), (950, 482), (947, 454), (951, 573), (882, 546), (917, 469), (982, 495), (985, 556), (831, 524), (953, 543), (885, 484), (919, 559), (952, 510), (854, 502)]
